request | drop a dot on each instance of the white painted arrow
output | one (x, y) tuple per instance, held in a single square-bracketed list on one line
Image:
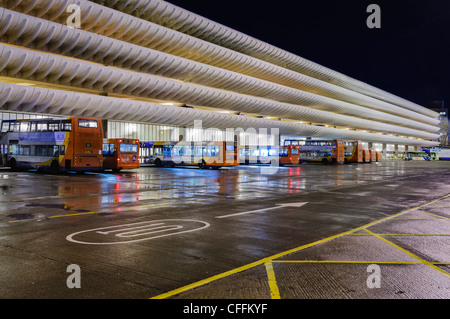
[(265, 209)]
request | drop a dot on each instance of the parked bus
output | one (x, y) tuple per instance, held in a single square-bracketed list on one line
[(289, 154), (379, 156), (366, 156), (201, 154), (322, 151), (120, 153), (353, 152), (284, 155), (443, 154), (373, 155), (257, 154), (55, 144), (420, 156)]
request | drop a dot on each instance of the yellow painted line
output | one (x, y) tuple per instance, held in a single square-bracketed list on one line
[(347, 262), (274, 292), (439, 216), (210, 279), (409, 253), (55, 216), (118, 209), (414, 234), (415, 218), (271, 258), (393, 234), (76, 214)]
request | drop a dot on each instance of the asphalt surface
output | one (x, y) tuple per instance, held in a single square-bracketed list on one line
[(245, 232)]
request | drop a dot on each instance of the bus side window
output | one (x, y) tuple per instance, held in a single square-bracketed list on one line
[(158, 150), (5, 127), (66, 125), (177, 151), (53, 126), (14, 149), (105, 150), (42, 127), (24, 126), (62, 150), (111, 149), (40, 150), (198, 151), (167, 150), (213, 150), (55, 150)]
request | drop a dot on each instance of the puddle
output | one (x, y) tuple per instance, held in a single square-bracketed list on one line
[(21, 216), (58, 206)]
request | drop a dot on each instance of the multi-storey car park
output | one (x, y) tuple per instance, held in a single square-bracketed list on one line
[(150, 69)]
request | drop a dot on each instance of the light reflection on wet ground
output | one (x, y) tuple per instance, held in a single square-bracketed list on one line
[(149, 186), (38, 211)]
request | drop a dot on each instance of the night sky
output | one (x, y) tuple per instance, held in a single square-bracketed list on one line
[(409, 55)]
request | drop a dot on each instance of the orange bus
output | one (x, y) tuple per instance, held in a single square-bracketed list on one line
[(285, 155), (322, 151), (290, 152), (373, 155), (202, 154), (379, 156), (55, 144), (353, 152), (366, 156), (120, 153), (257, 154)]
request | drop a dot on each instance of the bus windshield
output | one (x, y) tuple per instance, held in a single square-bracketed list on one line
[(128, 148)]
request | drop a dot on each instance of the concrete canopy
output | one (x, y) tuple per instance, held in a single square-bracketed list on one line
[(153, 51)]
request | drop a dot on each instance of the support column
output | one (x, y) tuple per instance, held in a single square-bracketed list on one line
[(384, 151), (105, 128), (396, 151)]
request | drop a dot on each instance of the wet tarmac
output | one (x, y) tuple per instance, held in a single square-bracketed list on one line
[(246, 232)]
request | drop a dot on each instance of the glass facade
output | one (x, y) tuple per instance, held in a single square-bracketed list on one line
[(141, 131), (165, 133)]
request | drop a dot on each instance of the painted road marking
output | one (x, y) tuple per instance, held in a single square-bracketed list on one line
[(270, 259), (117, 209), (136, 232), (274, 292), (409, 253), (264, 209)]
